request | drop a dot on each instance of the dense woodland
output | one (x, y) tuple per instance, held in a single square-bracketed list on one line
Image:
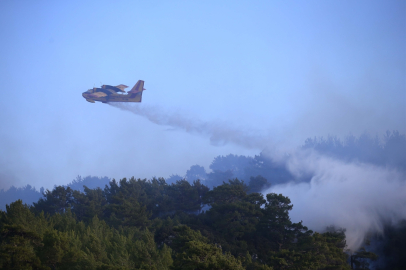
[(216, 223), (140, 224)]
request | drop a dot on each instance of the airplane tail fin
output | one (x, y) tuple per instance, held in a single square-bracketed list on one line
[(138, 88)]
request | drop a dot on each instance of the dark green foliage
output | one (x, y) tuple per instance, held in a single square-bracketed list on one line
[(276, 224), (61, 242), (233, 191), (258, 183), (140, 224), (55, 201), (327, 249), (183, 234), (186, 197), (234, 214), (17, 248), (194, 252), (19, 237), (198, 255), (88, 204), (126, 204)]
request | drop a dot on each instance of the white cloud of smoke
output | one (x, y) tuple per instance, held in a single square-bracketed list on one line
[(356, 196), (219, 132)]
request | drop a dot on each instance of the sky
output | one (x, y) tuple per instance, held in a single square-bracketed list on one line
[(221, 77)]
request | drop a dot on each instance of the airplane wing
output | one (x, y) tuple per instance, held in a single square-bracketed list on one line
[(118, 88), (121, 87), (138, 87)]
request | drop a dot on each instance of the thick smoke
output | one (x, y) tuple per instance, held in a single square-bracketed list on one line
[(359, 197), (219, 133)]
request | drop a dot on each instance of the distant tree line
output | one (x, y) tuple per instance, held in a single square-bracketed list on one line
[(28, 193), (388, 152)]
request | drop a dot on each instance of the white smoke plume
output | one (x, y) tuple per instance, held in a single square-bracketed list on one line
[(355, 196), (219, 132)]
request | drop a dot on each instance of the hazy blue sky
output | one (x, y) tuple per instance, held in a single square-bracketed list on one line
[(273, 71)]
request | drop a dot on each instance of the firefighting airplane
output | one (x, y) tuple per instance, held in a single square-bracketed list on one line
[(108, 93)]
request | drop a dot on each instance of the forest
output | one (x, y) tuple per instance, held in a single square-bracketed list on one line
[(140, 224), (217, 220)]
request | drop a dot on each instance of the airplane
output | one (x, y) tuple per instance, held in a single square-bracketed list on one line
[(108, 93)]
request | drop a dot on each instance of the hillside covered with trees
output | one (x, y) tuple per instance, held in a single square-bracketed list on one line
[(140, 224)]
